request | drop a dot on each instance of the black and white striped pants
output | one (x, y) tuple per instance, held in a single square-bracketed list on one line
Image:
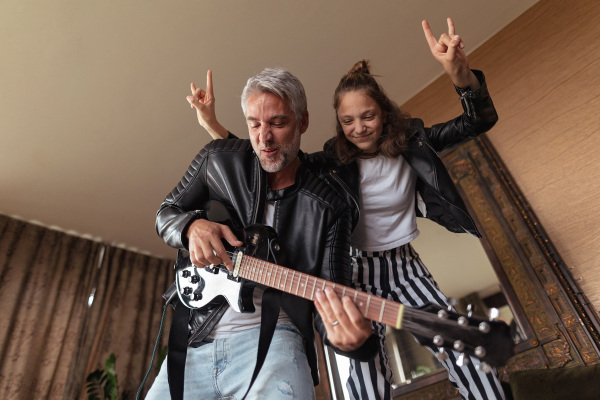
[(399, 275)]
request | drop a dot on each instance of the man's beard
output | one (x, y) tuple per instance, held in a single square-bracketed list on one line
[(286, 154)]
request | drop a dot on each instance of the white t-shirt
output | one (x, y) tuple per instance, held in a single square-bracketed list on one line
[(387, 204), (234, 322)]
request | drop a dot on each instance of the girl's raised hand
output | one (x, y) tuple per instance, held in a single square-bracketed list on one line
[(448, 51)]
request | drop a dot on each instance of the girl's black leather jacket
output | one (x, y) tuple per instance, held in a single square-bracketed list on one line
[(312, 222), (443, 203)]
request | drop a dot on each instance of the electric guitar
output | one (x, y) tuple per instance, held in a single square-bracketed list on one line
[(488, 340)]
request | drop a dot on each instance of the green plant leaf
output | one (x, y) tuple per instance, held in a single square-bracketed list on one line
[(103, 382)]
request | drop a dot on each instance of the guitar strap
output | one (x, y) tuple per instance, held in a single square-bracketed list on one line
[(178, 338), (271, 303)]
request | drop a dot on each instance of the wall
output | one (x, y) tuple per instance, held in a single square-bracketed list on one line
[(543, 73)]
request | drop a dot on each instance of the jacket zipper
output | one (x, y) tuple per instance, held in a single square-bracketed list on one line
[(258, 201), (466, 103)]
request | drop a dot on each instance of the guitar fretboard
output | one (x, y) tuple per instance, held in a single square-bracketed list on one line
[(306, 286)]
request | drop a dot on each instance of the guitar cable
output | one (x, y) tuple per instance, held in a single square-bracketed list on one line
[(162, 323)]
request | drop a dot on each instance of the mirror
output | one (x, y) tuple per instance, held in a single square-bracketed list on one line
[(530, 283)]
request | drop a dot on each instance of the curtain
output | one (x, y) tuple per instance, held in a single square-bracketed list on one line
[(67, 303)]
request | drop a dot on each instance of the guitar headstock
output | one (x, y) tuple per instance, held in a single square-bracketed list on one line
[(490, 341)]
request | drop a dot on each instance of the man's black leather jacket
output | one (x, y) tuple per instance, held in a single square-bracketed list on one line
[(442, 201), (312, 222)]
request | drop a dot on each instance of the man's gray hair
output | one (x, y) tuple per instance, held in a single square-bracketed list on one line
[(282, 84)]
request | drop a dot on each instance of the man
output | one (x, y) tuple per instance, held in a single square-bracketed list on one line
[(263, 180)]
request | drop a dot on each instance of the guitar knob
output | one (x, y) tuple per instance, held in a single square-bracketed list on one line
[(197, 296), (195, 279), (441, 355), (484, 367), (480, 351), (484, 327), (187, 290), (438, 340), (463, 321), (186, 273), (462, 360), (442, 314), (458, 345)]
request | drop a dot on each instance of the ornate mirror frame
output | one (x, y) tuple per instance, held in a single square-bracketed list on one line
[(560, 325)]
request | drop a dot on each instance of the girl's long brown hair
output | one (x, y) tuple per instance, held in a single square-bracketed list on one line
[(392, 142)]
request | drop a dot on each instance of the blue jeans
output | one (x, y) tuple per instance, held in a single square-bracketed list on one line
[(223, 368)]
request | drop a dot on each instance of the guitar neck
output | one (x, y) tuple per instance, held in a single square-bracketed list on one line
[(306, 286)]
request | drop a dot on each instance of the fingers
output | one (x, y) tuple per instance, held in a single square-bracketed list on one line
[(200, 97), (209, 86), (446, 40), (231, 238), (452, 46), (330, 307), (205, 244), (210, 252), (428, 34), (450, 27), (196, 97), (346, 328)]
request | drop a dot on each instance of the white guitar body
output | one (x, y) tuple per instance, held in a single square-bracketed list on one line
[(199, 286)]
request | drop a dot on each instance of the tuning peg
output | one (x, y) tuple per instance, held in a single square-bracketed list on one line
[(493, 314), (458, 345), (442, 314), (484, 367), (441, 355), (480, 351), (462, 360), (484, 327), (470, 310), (438, 340), (463, 321)]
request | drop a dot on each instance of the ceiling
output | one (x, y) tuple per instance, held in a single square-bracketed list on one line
[(95, 127)]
